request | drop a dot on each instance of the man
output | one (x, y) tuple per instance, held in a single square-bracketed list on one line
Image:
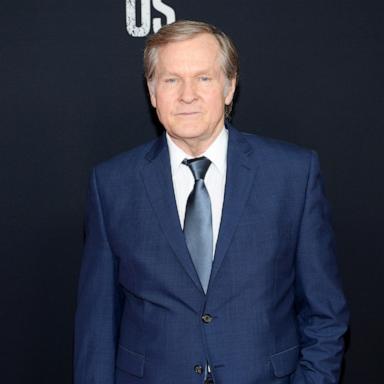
[(209, 255)]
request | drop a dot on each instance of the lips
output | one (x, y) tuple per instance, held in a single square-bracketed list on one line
[(187, 113)]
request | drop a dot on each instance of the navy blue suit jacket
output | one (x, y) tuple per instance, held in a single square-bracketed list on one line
[(278, 312)]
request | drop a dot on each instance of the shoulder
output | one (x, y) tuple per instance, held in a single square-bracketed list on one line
[(280, 162), (127, 163), (124, 166), (277, 152), (275, 147)]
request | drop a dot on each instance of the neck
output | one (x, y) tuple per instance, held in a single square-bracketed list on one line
[(193, 147)]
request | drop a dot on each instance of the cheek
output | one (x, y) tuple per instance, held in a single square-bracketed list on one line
[(165, 99), (215, 102), (164, 111), (162, 103)]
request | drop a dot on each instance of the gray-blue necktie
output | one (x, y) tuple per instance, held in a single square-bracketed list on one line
[(198, 221)]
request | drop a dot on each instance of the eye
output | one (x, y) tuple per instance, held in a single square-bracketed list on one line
[(204, 78), (170, 80)]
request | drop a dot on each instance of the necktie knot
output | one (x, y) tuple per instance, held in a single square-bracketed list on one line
[(198, 166)]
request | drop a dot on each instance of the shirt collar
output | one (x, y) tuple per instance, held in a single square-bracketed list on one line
[(216, 152)]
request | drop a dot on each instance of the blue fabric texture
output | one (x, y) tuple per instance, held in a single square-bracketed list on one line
[(274, 311)]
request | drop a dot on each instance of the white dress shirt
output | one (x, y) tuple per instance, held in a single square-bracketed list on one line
[(214, 180)]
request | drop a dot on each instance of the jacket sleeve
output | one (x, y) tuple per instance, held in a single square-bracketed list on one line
[(322, 314), (98, 304)]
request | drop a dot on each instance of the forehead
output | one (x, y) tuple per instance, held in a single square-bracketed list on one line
[(198, 53)]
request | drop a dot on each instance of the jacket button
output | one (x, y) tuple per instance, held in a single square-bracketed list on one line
[(206, 318), (198, 369)]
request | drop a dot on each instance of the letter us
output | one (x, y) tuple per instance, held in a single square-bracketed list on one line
[(144, 28)]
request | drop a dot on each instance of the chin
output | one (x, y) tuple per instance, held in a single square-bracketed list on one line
[(189, 131)]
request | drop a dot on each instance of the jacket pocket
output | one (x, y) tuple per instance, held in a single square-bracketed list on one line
[(285, 362), (129, 361)]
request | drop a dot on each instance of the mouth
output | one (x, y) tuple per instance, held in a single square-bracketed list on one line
[(194, 113)]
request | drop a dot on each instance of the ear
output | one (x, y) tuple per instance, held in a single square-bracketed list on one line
[(230, 91), (151, 90)]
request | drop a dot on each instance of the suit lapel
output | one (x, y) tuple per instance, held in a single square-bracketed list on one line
[(240, 175), (157, 178)]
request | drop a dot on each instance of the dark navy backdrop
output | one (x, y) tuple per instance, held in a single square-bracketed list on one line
[(72, 94)]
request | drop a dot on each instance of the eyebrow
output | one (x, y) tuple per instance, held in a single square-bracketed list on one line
[(198, 73)]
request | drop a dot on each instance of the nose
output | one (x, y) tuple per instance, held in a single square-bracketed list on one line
[(187, 92)]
